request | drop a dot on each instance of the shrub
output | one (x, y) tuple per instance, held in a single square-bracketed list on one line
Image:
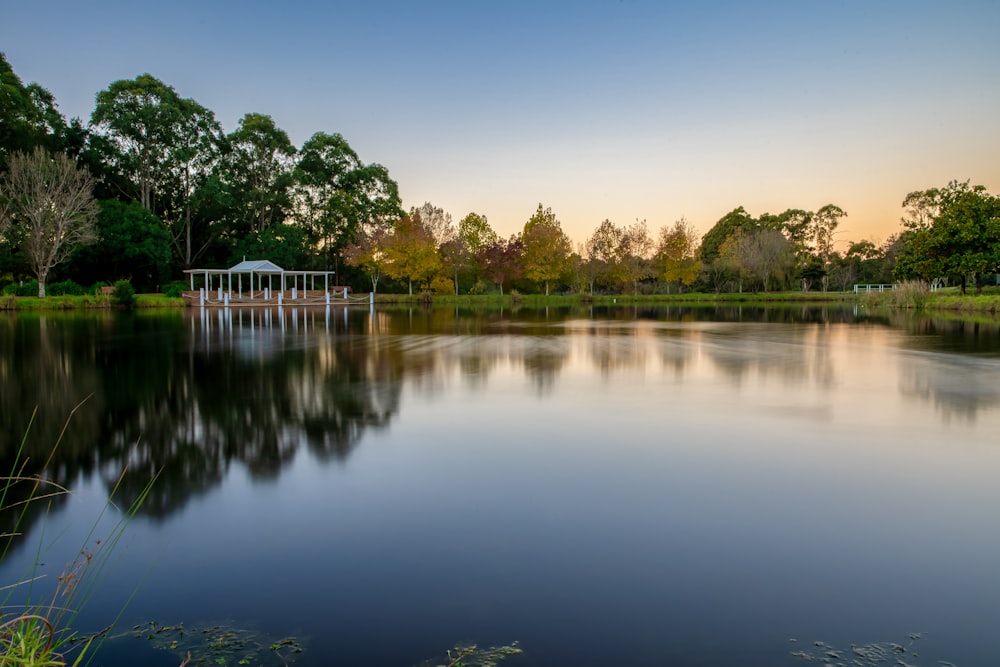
[(123, 293), (64, 288), (442, 285), (174, 289), (29, 288)]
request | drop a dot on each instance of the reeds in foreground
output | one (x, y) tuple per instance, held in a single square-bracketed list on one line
[(38, 629)]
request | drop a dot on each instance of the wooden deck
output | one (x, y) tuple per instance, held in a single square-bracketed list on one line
[(287, 298)]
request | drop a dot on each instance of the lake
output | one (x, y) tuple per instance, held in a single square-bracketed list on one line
[(641, 486)]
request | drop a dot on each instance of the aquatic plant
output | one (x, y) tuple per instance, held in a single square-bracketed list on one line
[(37, 629), (220, 645), (470, 655), (868, 655)]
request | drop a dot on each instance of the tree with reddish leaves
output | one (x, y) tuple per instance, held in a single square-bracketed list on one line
[(501, 260)]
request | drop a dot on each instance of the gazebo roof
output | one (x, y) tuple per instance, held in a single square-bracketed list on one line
[(256, 266)]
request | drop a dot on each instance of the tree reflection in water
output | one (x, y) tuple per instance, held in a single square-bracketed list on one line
[(190, 393)]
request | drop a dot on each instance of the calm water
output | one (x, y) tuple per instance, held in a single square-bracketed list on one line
[(641, 487)]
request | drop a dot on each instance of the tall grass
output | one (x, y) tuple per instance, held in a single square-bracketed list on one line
[(38, 616), (909, 294)]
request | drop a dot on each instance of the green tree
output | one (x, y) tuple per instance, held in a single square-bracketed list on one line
[(455, 259), (258, 172), (676, 255), (29, 117), (475, 231), (962, 239), (864, 258), (368, 254), (824, 222), (634, 253), (601, 251), (159, 149), (47, 206), (283, 244), (335, 194), (132, 243), (713, 239), (768, 255), (546, 248), (135, 127), (732, 259), (411, 252), (194, 156), (475, 234)]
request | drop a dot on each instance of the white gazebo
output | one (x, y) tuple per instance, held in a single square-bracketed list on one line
[(260, 274)]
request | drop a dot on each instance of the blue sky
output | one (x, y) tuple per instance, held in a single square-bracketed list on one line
[(615, 109)]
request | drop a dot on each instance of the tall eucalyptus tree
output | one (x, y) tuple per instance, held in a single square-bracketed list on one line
[(161, 149), (338, 199), (257, 170)]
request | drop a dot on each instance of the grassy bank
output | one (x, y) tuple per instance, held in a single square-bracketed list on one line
[(969, 303), (907, 296), (557, 300), (86, 302), (917, 296)]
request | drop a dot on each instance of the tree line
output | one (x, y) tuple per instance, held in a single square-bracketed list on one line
[(152, 185)]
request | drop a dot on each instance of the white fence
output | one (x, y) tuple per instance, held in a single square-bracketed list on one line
[(868, 289)]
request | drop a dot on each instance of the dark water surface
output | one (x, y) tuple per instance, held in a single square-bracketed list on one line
[(607, 487)]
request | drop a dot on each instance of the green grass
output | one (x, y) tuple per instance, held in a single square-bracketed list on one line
[(946, 300), (158, 301), (969, 303), (85, 302), (557, 300)]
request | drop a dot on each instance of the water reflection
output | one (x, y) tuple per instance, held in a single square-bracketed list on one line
[(191, 393)]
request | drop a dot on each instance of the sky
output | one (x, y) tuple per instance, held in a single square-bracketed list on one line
[(598, 109)]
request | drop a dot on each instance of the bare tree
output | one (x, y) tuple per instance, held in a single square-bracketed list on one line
[(437, 222), (48, 205)]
